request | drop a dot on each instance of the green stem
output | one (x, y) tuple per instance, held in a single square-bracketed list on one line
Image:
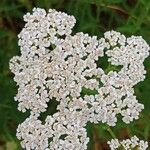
[(111, 132)]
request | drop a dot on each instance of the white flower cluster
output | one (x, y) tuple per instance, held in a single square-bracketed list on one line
[(128, 144), (56, 64)]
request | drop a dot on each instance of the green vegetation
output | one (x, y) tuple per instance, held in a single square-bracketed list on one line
[(93, 17)]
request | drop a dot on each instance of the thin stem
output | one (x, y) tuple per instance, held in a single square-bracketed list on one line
[(111, 132)]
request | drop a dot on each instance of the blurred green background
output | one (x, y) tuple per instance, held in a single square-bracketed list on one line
[(94, 17)]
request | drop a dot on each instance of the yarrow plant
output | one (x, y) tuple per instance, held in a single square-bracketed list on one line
[(128, 144), (54, 64)]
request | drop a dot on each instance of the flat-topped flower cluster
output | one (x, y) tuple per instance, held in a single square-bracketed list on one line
[(128, 144), (57, 65)]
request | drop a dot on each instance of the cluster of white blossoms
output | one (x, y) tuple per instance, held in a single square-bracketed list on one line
[(57, 65), (128, 144)]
